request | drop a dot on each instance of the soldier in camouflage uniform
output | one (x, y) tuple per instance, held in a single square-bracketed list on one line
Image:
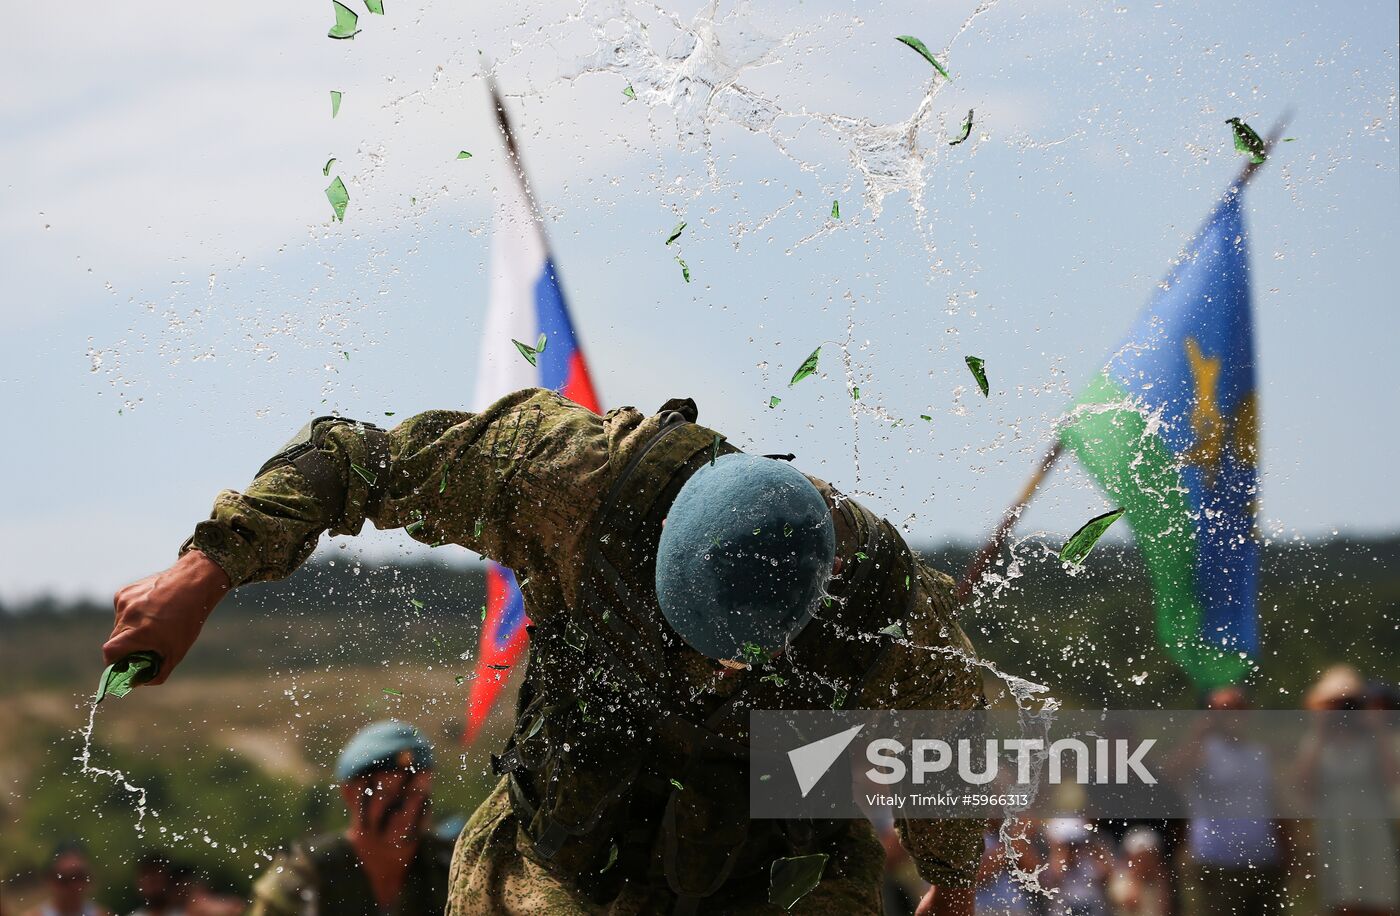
[(624, 787), (387, 862)]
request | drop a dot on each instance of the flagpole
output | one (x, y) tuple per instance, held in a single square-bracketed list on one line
[(983, 558), (517, 163), (973, 574)]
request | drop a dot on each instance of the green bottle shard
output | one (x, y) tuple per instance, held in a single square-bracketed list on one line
[(375, 6), (335, 102), (528, 351), (685, 269), (922, 48), (1247, 141), (339, 198), (630, 92), (676, 232), (464, 155), (808, 367), (978, 367), (966, 129), (836, 209), (1083, 540), (345, 22), (792, 879), (326, 169), (121, 677)]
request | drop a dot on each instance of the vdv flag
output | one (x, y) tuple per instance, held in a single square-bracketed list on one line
[(525, 301), (1169, 429)]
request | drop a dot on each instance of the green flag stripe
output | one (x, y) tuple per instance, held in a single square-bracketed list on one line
[(1137, 471)]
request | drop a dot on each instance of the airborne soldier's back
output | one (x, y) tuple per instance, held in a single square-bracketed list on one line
[(673, 584)]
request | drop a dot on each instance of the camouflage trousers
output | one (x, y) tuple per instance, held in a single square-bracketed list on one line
[(491, 877)]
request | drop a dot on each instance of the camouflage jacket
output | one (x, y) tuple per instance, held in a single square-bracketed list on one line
[(520, 482), (323, 877)]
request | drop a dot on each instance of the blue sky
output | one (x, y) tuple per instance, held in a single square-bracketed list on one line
[(177, 300)]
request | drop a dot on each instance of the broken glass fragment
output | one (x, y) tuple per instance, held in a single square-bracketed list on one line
[(338, 197), (922, 48), (978, 367), (966, 129), (808, 367), (121, 677), (345, 21), (1083, 540), (1247, 141), (793, 878)]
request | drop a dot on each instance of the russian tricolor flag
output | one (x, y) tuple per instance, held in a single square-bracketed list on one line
[(525, 301)]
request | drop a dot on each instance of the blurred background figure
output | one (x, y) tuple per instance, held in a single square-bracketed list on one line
[(155, 885), (1348, 764), (1079, 868), (388, 860), (998, 893), (1142, 883), (1235, 864), (901, 888), (69, 878), (193, 897)]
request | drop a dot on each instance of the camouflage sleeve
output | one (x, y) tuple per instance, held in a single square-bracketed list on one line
[(936, 672), (448, 477), (287, 888)]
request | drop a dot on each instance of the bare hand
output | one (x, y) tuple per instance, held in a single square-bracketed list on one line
[(164, 613), (388, 814), (948, 901)]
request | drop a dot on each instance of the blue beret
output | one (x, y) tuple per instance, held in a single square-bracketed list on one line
[(379, 744), (746, 551)]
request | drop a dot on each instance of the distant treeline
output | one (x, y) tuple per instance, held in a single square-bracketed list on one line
[(1089, 633)]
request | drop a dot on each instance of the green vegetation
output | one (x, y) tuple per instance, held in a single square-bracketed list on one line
[(235, 752)]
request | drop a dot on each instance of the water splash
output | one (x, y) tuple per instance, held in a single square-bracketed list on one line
[(693, 71), (120, 779)]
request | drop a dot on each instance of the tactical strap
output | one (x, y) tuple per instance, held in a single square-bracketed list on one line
[(606, 602), (550, 835)]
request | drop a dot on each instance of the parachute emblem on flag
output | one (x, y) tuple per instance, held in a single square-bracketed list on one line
[(1171, 435)]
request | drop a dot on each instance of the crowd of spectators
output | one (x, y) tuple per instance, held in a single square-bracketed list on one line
[(390, 859)]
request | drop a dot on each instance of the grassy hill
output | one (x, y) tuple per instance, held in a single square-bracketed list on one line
[(234, 753)]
